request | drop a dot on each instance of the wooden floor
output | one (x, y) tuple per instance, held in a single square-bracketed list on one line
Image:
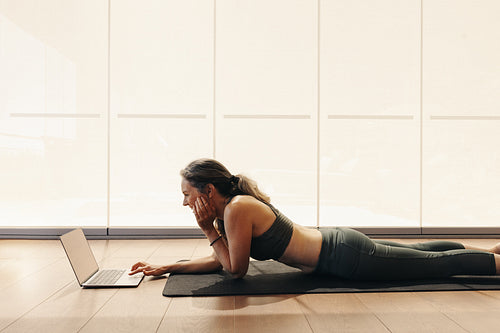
[(40, 294)]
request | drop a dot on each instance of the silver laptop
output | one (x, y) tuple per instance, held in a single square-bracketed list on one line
[(85, 266)]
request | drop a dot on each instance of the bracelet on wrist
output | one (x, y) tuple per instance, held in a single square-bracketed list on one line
[(215, 240)]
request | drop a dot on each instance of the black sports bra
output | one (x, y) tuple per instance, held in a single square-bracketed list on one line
[(273, 242)]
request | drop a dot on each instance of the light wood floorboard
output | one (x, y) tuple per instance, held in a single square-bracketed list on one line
[(39, 293)]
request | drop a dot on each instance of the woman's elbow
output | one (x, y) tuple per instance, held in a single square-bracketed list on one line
[(239, 273)]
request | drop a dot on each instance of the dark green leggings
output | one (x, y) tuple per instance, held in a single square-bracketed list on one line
[(349, 254)]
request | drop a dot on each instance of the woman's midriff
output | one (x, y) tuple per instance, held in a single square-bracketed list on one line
[(304, 249)]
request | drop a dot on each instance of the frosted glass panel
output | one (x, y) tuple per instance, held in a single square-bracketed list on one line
[(161, 106), (162, 57), (370, 112), (280, 156), (266, 57), (461, 107), (370, 57), (266, 99), (146, 157), (461, 177), (52, 113), (370, 173), (54, 180), (461, 52)]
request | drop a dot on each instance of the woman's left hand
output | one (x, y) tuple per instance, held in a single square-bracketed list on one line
[(204, 213)]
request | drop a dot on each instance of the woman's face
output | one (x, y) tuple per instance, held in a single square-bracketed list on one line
[(190, 194)]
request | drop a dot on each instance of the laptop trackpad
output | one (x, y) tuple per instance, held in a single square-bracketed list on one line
[(127, 280)]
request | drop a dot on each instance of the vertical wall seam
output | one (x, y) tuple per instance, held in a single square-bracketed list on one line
[(108, 199), (318, 124), (421, 110), (214, 135)]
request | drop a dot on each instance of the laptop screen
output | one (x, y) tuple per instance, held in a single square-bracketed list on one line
[(79, 254)]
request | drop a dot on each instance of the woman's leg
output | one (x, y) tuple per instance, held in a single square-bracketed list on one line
[(427, 246), (495, 249), (359, 257), (440, 246)]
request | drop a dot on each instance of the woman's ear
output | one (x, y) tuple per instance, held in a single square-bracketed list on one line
[(210, 190)]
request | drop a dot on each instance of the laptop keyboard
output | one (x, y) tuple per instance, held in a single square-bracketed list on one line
[(107, 277)]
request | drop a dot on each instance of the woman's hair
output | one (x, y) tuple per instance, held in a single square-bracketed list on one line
[(204, 171)]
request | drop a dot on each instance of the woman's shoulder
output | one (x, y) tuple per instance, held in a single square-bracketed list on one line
[(246, 204), (243, 201)]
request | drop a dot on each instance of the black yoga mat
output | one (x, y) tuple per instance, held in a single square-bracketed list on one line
[(271, 277)]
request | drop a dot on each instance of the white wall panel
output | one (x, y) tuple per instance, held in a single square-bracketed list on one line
[(461, 52), (266, 98), (147, 155), (461, 104), (280, 156), (370, 173), (266, 57), (461, 177), (53, 89), (161, 106), (370, 113), (370, 57), (161, 57)]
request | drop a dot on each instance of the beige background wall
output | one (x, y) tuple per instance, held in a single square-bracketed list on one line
[(358, 113)]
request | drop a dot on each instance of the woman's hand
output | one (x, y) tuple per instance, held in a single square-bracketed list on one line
[(148, 269), (204, 213)]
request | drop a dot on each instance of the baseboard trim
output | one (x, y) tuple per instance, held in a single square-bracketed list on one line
[(193, 232), (102, 233), (47, 232)]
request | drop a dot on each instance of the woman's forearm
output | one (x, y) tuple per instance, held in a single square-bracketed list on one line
[(200, 265), (222, 252)]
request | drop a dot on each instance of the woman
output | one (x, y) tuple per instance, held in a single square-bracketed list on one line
[(240, 223)]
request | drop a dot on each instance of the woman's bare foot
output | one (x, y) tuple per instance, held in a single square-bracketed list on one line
[(495, 249)]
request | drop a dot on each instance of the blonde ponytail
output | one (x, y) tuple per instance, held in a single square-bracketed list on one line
[(202, 172), (248, 186)]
